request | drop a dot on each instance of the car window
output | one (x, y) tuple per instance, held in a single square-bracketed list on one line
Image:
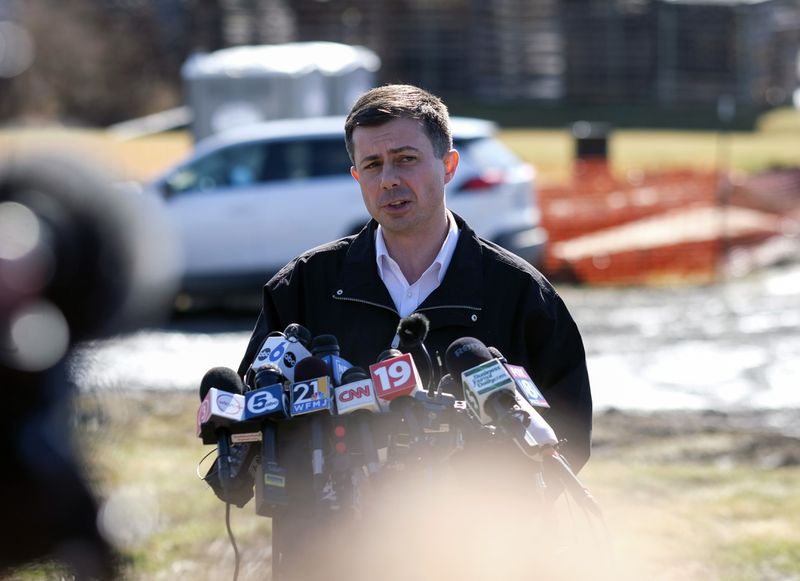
[(317, 158), (263, 162), (487, 153), (235, 166)]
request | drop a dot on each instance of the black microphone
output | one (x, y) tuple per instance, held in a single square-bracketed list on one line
[(218, 411), (465, 353), (388, 354), (322, 345), (222, 378), (489, 390), (552, 460), (413, 329), (356, 396), (326, 347), (397, 382), (269, 374), (499, 401), (311, 394), (265, 405), (299, 333), (411, 334)]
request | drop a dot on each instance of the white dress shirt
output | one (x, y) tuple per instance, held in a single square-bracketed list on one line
[(407, 297)]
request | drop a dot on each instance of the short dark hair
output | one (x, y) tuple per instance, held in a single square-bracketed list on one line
[(383, 104)]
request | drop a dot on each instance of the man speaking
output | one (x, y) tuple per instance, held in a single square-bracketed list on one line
[(417, 256)]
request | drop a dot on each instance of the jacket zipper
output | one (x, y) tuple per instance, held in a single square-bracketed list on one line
[(396, 340), (339, 298), (450, 307)]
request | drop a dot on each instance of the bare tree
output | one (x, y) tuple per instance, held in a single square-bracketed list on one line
[(93, 65), (207, 25)]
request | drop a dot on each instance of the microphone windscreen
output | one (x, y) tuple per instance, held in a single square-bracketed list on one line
[(309, 368), (465, 353), (222, 378), (323, 345), (388, 354), (269, 374), (413, 330), (299, 332), (354, 374)]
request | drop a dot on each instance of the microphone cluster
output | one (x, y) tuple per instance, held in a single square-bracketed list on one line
[(352, 413)]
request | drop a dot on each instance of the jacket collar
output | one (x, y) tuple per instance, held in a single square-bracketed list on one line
[(462, 286)]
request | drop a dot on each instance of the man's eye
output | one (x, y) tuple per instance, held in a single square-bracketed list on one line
[(408, 158)]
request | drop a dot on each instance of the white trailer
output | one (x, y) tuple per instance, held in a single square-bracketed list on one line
[(247, 84)]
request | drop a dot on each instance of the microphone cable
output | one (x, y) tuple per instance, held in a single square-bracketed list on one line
[(198, 468), (233, 541), (236, 556)]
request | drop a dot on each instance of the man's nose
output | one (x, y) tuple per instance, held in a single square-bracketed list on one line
[(389, 179)]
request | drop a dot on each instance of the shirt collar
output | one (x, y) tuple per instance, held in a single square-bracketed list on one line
[(442, 259), (359, 280)]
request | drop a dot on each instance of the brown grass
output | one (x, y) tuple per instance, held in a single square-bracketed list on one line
[(550, 151)]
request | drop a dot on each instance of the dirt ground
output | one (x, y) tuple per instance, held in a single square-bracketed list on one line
[(760, 438)]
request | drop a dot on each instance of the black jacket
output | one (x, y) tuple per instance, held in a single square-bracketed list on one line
[(487, 293)]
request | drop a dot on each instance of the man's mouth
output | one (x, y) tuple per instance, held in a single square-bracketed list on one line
[(397, 204)]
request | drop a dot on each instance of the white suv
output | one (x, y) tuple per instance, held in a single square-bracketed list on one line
[(249, 200)]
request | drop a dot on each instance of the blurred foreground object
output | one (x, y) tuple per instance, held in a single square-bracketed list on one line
[(16, 49), (79, 259)]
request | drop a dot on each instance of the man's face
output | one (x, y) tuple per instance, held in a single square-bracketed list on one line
[(402, 181)]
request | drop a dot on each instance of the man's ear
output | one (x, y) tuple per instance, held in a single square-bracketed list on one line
[(354, 173), (450, 164)]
